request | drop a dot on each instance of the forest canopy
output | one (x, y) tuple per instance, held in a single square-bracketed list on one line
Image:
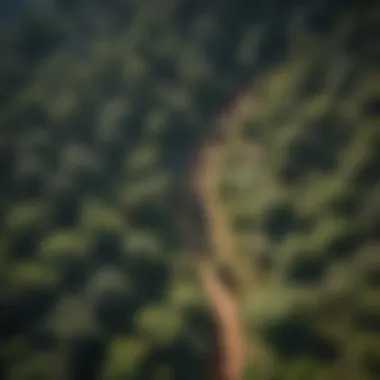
[(101, 103)]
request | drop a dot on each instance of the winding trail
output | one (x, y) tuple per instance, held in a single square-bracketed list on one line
[(228, 359)]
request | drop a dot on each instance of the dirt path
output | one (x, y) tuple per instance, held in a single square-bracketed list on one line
[(230, 340)]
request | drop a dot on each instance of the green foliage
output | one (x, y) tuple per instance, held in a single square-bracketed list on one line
[(64, 244), (36, 366), (96, 217), (144, 244), (303, 368), (150, 187), (24, 216), (123, 357), (97, 106), (160, 323), (72, 317), (31, 274)]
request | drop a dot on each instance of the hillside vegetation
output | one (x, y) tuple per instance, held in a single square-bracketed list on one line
[(100, 104)]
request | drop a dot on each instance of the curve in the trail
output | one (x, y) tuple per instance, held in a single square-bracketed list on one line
[(227, 359)]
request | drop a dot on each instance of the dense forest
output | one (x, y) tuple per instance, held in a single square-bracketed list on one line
[(101, 103)]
